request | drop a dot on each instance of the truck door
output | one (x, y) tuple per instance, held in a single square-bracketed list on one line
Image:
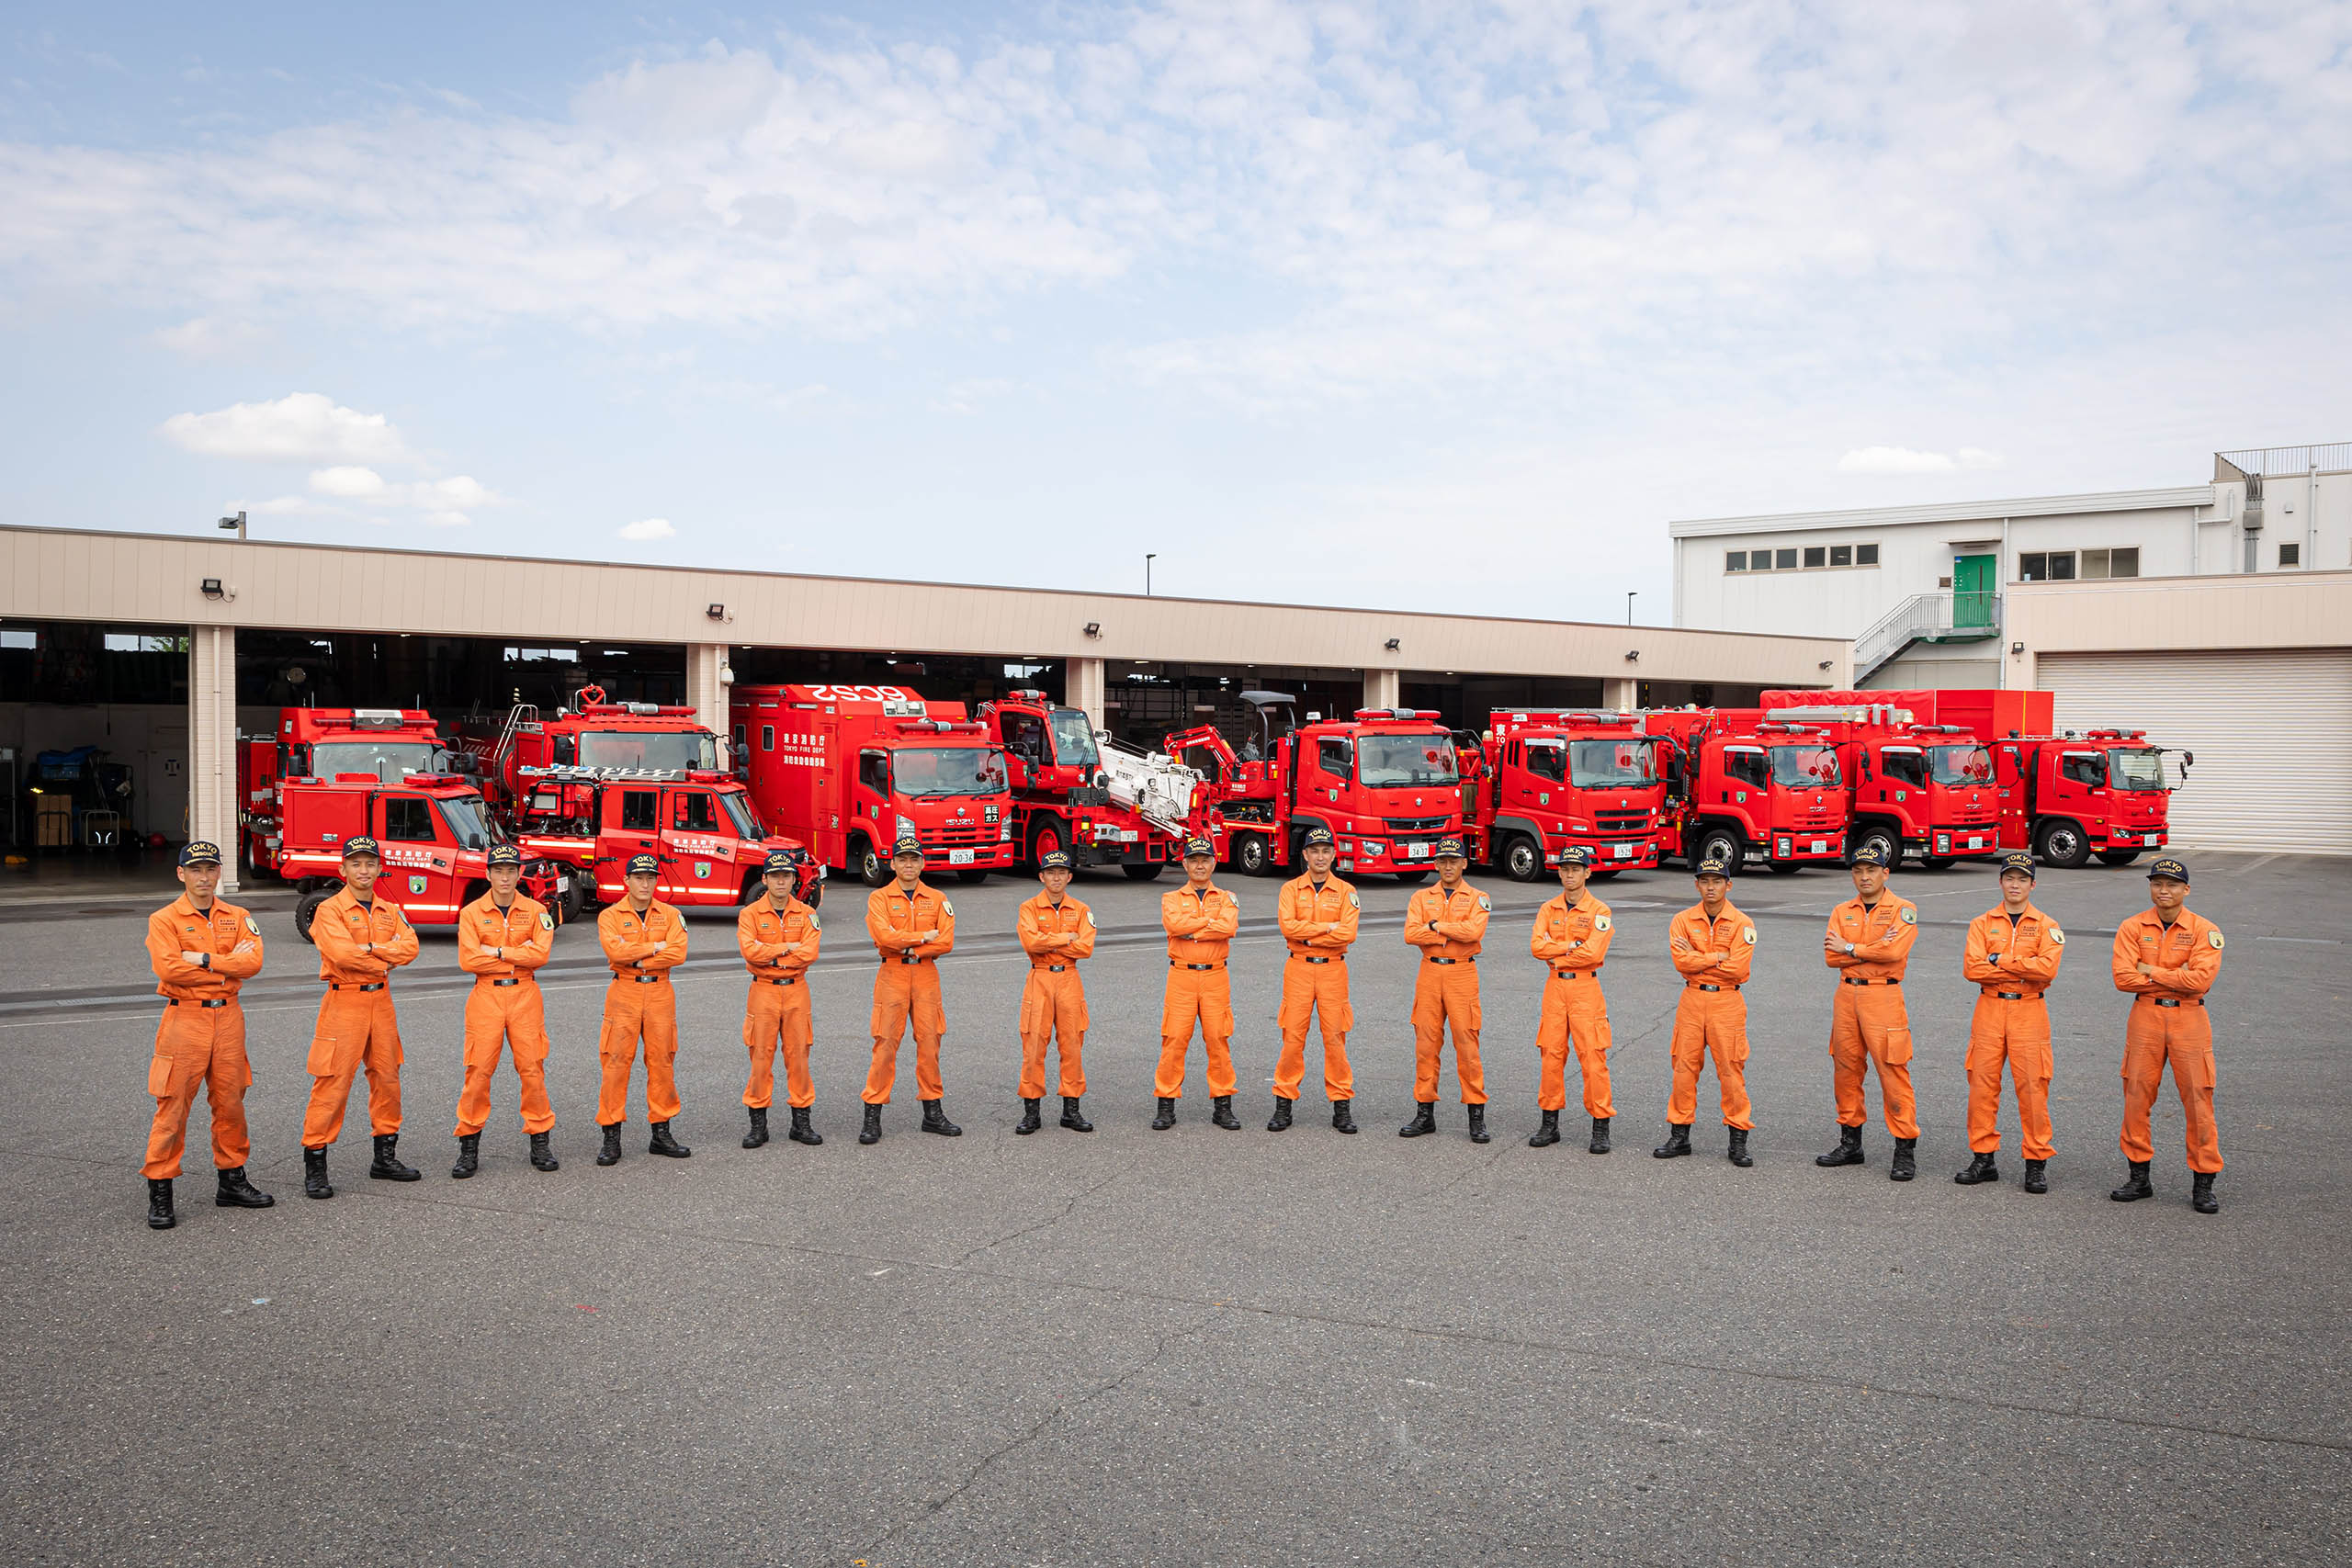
[(871, 801), (1335, 772), (2079, 788), (698, 849), (631, 826), (1025, 746), (418, 855)]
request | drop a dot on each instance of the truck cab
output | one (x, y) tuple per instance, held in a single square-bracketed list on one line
[(700, 825), (1739, 787), (1546, 780), (385, 744), (435, 831), (1922, 789), (2068, 797), (1061, 799)]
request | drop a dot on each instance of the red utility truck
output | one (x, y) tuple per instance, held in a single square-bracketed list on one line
[(1062, 797), (435, 834), (840, 767), (323, 743), (1542, 780), (1384, 781), (1922, 789), (1737, 786)]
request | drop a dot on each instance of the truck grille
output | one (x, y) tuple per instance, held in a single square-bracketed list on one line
[(971, 834), (1416, 824), (1622, 821)]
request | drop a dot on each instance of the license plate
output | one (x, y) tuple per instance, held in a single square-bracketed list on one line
[(1417, 852), (2155, 838), (960, 857), (563, 883), (1975, 841), (1821, 846), (1622, 851)]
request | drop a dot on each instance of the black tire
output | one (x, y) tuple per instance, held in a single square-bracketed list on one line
[(1049, 828), (755, 887), (2118, 857), (307, 910), (1938, 863), (815, 896), (871, 868), (1145, 871), (971, 878), (1250, 856), (1888, 841), (1412, 878), (582, 893), (1787, 867), (1522, 858), (1719, 844), (2063, 844)]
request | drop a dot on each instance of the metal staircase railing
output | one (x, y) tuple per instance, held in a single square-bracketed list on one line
[(1942, 617)]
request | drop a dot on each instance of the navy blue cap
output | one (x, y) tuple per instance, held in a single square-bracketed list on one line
[(1714, 866), (1318, 836), (778, 860), (1872, 854), (909, 842), (644, 866), (199, 851), (2169, 869), (505, 854), (1576, 854), (362, 845), (2017, 860), (1196, 845), (1451, 849), (1054, 860)]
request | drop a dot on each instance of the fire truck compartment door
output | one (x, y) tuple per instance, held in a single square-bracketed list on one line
[(418, 855)]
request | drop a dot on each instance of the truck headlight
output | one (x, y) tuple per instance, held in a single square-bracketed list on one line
[(1004, 834)]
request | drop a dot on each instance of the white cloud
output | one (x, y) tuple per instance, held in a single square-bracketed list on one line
[(211, 337), (1895, 460), (646, 529), (351, 482), (305, 427)]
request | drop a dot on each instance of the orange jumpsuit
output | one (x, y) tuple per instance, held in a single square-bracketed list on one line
[(355, 1021), (2014, 962), (1201, 926), (505, 1009), (1712, 1018), (201, 1040), (1315, 980), (1449, 929), (907, 985), (776, 1012), (2169, 1023), (1573, 941), (640, 1004), (1867, 1021), (1053, 1002)]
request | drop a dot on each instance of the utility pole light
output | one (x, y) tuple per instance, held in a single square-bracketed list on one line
[(1629, 609), (237, 523), (1147, 560)]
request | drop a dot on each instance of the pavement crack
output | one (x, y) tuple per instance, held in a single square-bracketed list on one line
[(1069, 1209)]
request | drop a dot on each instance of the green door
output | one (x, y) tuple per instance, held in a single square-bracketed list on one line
[(1972, 591)]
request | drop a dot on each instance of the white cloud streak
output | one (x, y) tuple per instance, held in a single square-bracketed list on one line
[(305, 427), (646, 530)]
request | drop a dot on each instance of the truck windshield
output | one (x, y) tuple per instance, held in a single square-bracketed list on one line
[(388, 760), (1612, 765), (670, 751), (919, 771), (1804, 767), (739, 815), (1074, 739), (1959, 767), (2142, 770), (467, 824), (1386, 761)]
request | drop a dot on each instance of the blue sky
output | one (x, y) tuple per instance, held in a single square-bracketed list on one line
[(1445, 305)]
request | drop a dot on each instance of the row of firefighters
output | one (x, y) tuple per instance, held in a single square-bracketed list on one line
[(203, 948)]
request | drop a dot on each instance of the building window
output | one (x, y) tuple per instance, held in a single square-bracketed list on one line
[(1759, 557), (2291, 554), (1736, 561), (2046, 566), (1784, 560), (1865, 555), (1815, 555), (2110, 563), (1841, 555)]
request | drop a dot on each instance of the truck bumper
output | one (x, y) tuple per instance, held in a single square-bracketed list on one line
[(1808, 846)]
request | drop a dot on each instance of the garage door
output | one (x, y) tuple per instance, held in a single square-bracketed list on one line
[(2272, 733)]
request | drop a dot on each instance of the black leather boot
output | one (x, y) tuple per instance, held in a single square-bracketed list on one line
[(871, 1132), (1905, 1167), (1738, 1155), (1166, 1118), (1030, 1119), (611, 1153), (757, 1138), (802, 1132), (469, 1156), (1221, 1113), (159, 1203), (1281, 1118), (386, 1166), (1074, 1118), (1544, 1136), (542, 1157), (1424, 1121), (314, 1174), (1342, 1120), (236, 1193), (1479, 1134), (665, 1145), (1983, 1168), (2200, 1194), (1599, 1144), (934, 1120), (1677, 1141), (2137, 1187), (1849, 1150), (2035, 1181)]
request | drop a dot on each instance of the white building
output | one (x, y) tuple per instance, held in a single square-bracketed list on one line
[(1920, 589)]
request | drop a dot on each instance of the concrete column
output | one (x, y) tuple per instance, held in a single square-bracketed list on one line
[(1082, 688), (1380, 687), (706, 688), (212, 744), (1620, 694)]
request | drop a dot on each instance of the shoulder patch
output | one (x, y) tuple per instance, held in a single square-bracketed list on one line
[(946, 908), (814, 923), (1910, 917), (2057, 936), (256, 929), (1354, 902), (546, 922), (1748, 935), (2214, 937), (1485, 904), (1601, 923)]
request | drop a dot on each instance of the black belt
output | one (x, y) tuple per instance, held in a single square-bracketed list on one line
[(777, 979), (911, 958), (2016, 996), (1050, 968), (1303, 958), (193, 1002), (511, 980), (371, 986), (1696, 986), (640, 979), (2178, 1001), (1172, 963), (1851, 981), (1472, 958), (1572, 974)]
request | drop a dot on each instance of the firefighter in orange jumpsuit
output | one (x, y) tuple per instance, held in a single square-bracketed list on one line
[(1869, 941), (643, 940), (1447, 923), (361, 940), (1572, 936), (1713, 945), (913, 927), (503, 938), (1200, 919), (2013, 954), (201, 948), (779, 936), (2167, 957), (1056, 930), (1317, 916)]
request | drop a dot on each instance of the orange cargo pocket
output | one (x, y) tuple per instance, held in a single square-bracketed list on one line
[(1898, 1047), (2194, 1068), (158, 1077), (321, 1061)]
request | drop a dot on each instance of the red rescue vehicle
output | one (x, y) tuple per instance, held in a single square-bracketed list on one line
[(435, 834), (1925, 790), (1061, 793), (1384, 781), (1737, 786), (323, 743), (1542, 780), (840, 767)]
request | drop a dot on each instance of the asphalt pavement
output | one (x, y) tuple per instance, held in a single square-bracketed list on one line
[(1195, 1346)]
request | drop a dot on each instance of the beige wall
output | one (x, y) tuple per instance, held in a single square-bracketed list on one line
[(2274, 610)]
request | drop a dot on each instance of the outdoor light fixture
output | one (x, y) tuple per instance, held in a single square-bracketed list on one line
[(235, 524), (1824, 664), (1633, 656), (2016, 648), (1392, 644), (212, 589), (1094, 629), (717, 612)]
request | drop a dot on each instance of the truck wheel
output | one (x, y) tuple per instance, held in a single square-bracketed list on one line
[(1144, 871), (307, 910), (1881, 838), (971, 878), (2119, 857), (871, 868), (1938, 863), (1719, 844), (1045, 840), (578, 897), (815, 896), (755, 887), (1522, 858), (1412, 878), (1250, 856), (2065, 845)]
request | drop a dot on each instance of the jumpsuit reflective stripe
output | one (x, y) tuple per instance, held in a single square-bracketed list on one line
[(1868, 1024), (356, 1027), (1320, 989), (2020, 956), (1200, 926), (2187, 956), (638, 945), (1575, 939), (1710, 1023), (512, 1017), (1447, 926), (199, 1046), (906, 986), (778, 1017)]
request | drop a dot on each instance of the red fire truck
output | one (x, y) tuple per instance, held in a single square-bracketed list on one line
[(1922, 789), (1542, 780), (323, 743), (840, 767), (435, 834), (1062, 796), (1383, 783), (1736, 787)]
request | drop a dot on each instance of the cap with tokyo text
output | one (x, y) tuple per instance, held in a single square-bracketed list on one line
[(1714, 866), (1450, 849), (199, 851), (2169, 869), (1319, 837), (504, 855), (2018, 859), (1872, 854), (1576, 854), (361, 844), (909, 843), (1054, 860), (778, 860), (642, 865), (1196, 845)]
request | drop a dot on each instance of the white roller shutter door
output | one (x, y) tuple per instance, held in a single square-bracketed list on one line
[(2272, 733)]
